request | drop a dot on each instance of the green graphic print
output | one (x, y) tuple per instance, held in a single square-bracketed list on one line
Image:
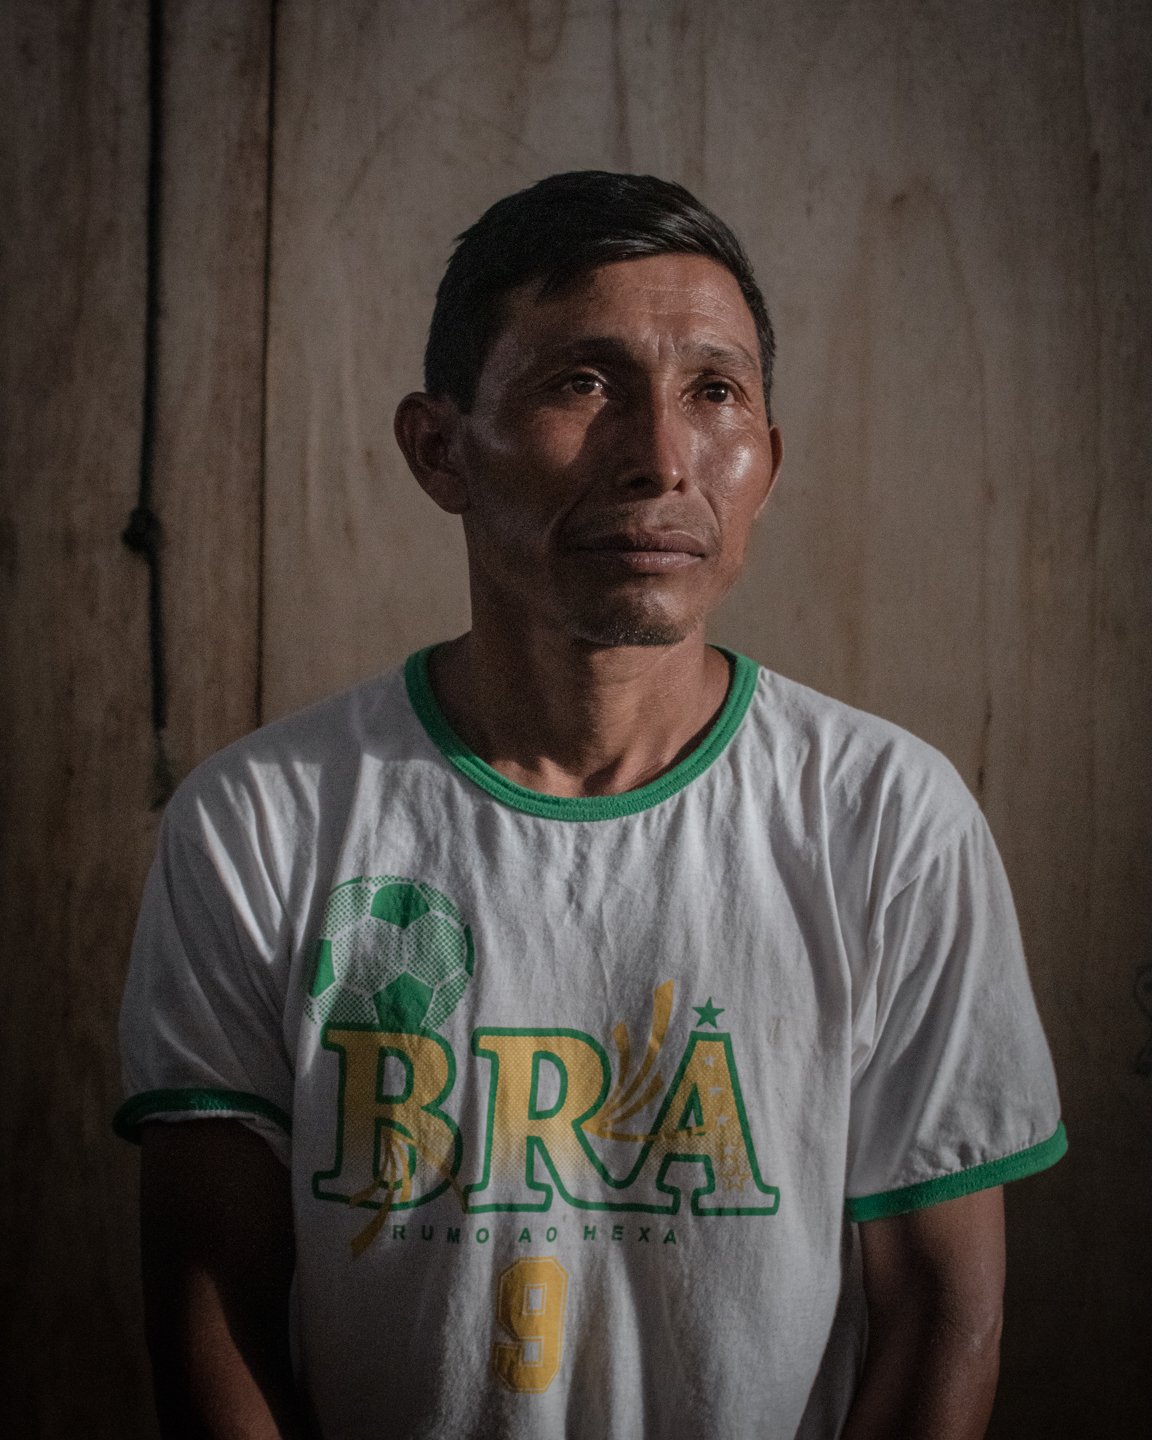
[(393, 953), (656, 1133)]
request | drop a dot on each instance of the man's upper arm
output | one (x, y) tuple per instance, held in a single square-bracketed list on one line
[(949, 1256), (202, 1022), (202, 1040), (954, 1091), (218, 1258), (934, 1283)]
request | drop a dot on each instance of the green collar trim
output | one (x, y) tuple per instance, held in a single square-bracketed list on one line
[(585, 807)]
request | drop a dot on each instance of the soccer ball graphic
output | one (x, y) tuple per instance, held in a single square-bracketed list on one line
[(393, 953)]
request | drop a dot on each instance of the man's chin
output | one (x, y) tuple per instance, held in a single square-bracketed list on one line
[(612, 631)]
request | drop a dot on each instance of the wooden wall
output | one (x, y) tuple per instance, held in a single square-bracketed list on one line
[(949, 207)]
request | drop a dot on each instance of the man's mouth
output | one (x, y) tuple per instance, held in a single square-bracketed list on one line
[(644, 552)]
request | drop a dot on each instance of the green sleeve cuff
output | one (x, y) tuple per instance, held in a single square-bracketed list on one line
[(152, 1104), (963, 1182)]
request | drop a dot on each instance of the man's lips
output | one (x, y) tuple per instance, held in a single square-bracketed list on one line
[(643, 552)]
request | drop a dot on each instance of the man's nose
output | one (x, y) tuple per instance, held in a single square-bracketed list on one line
[(657, 445)]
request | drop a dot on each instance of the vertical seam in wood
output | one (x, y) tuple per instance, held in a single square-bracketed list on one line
[(1095, 598), (262, 510), (143, 533)]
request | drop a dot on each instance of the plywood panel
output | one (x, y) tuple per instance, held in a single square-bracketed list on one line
[(1093, 1220), (75, 743), (944, 203), (75, 705), (210, 437)]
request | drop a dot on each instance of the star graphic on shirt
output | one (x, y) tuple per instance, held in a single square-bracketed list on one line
[(709, 1013)]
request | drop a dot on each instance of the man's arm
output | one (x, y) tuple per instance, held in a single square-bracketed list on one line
[(218, 1258), (934, 1282)]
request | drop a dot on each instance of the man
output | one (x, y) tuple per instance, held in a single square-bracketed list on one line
[(624, 1003)]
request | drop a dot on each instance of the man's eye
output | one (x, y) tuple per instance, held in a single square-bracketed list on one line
[(718, 391), (584, 384)]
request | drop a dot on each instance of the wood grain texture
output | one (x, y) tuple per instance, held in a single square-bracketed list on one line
[(75, 707), (210, 432), (75, 739), (1091, 1224), (944, 203)]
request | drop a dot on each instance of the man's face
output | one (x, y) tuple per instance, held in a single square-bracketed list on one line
[(617, 453)]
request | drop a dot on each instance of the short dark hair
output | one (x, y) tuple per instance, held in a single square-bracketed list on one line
[(555, 231)]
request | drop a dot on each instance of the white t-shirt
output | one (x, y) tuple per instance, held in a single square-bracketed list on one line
[(580, 1095)]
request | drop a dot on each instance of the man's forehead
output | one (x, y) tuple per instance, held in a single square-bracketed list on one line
[(609, 310)]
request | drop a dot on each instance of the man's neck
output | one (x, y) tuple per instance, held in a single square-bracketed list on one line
[(566, 719)]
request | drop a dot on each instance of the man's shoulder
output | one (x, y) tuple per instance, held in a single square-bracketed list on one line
[(871, 776), (844, 735), (284, 764)]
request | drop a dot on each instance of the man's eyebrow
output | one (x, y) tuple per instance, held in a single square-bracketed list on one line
[(728, 357), (612, 348)]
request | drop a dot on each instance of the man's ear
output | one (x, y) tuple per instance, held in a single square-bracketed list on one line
[(777, 442), (425, 429)]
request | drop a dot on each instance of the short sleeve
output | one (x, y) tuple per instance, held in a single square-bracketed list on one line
[(954, 1091), (201, 1024)]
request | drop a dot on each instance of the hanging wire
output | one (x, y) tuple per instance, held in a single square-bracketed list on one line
[(143, 533)]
